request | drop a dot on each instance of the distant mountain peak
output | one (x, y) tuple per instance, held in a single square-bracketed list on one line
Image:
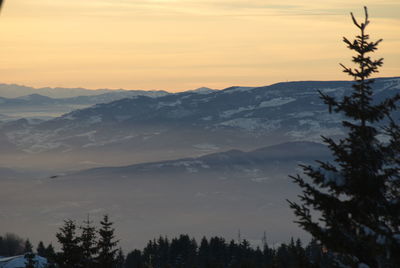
[(35, 96), (237, 88), (202, 90)]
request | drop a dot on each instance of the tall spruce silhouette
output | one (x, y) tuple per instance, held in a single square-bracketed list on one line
[(71, 253), (107, 245), (88, 243), (352, 205)]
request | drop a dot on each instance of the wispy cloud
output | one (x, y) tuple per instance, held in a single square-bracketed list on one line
[(171, 43), (381, 8)]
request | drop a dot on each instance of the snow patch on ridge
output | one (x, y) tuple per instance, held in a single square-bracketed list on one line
[(168, 104), (229, 113), (251, 124), (276, 102), (265, 104), (238, 89), (391, 84), (121, 118), (95, 119)]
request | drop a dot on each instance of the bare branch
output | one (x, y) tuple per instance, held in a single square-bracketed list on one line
[(354, 20), (366, 15)]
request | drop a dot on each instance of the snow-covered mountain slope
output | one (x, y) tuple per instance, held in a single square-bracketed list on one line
[(189, 124), (252, 109), (40, 106)]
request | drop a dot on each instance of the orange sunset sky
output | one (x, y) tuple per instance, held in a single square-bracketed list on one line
[(184, 44)]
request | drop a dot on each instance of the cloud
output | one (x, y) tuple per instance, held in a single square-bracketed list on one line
[(379, 8), (234, 8), (178, 43)]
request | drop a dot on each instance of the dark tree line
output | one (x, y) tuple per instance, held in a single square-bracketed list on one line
[(216, 252), (98, 248), (90, 247)]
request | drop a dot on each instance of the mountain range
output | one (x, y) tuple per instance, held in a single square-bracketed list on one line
[(204, 162), (16, 91), (54, 102), (188, 124)]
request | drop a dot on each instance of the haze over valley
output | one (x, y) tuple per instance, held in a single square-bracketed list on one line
[(164, 163)]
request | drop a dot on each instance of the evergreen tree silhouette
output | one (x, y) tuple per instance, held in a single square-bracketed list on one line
[(356, 197), (134, 259), (88, 243), (71, 254), (50, 255), (28, 248), (106, 245), (120, 259), (41, 249)]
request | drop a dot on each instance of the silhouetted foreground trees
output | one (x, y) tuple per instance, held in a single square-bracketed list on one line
[(90, 248), (99, 248), (357, 196), (216, 252), (179, 252), (87, 246)]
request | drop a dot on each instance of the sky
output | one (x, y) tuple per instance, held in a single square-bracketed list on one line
[(178, 45)]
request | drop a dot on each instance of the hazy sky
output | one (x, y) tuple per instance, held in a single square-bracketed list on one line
[(185, 44)]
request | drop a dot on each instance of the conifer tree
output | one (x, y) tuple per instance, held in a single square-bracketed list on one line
[(204, 252), (50, 252), (50, 255), (106, 245), (356, 198), (41, 249), (71, 254), (88, 243), (134, 259), (120, 259), (28, 248)]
